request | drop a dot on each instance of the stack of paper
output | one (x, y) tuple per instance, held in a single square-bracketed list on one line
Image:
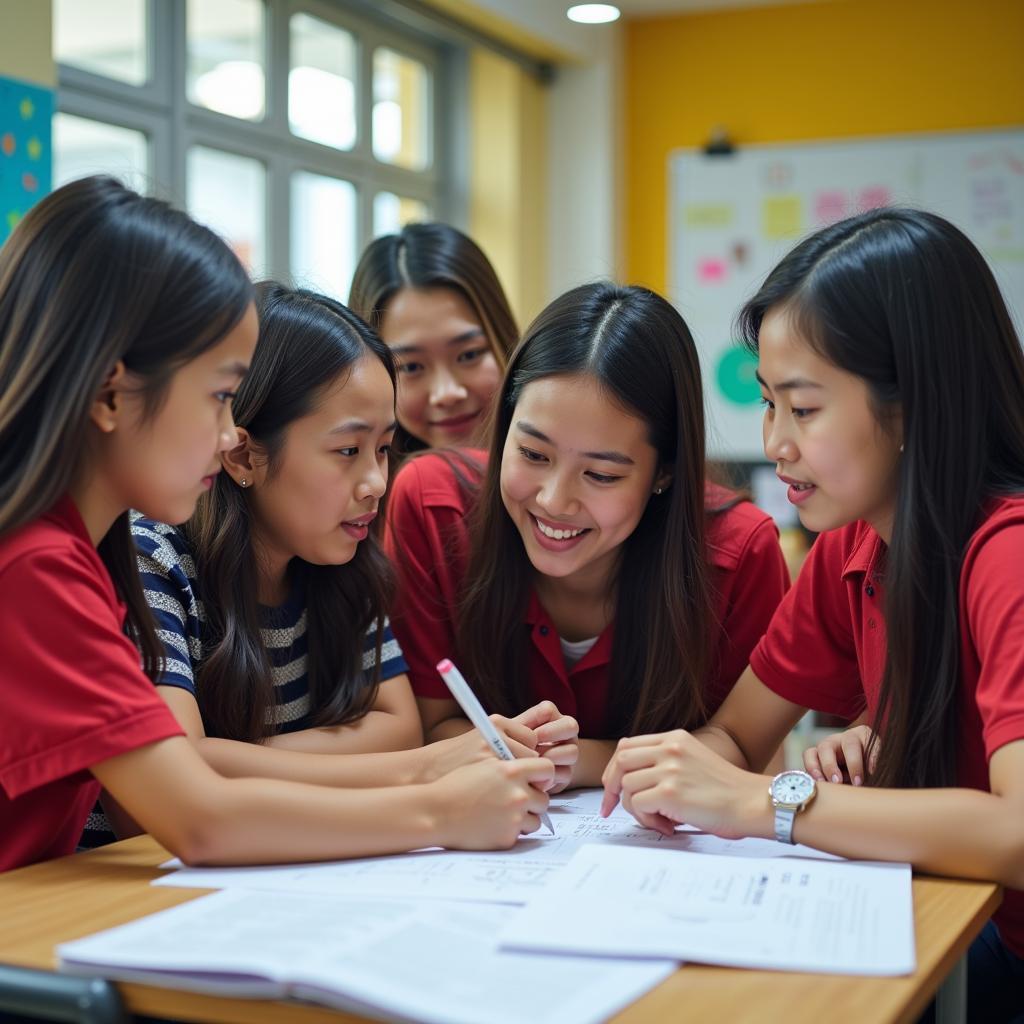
[(436, 935)]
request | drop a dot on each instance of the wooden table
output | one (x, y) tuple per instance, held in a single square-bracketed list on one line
[(66, 899)]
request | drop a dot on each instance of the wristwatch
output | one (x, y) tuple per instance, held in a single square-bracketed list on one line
[(791, 792)]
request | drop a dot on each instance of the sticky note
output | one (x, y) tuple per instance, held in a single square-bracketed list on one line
[(781, 217)]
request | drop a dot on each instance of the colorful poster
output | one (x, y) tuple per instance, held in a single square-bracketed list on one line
[(26, 111)]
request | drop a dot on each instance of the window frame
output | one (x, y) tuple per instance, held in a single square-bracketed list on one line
[(161, 110)]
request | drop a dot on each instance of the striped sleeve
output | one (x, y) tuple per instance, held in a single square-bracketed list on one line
[(392, 661), (168, 578)]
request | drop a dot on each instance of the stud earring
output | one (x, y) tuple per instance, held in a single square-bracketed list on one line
[(658, 490), (901, 447), (243, 482)]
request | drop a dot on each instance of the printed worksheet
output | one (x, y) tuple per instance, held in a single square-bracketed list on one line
[(411, 960), (510, 876), (771, 913)]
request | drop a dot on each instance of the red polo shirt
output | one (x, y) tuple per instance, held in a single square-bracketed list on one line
[(826, 646), (428, 539), (71, 686)]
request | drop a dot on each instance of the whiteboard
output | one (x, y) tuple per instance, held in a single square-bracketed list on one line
[(732, 218)]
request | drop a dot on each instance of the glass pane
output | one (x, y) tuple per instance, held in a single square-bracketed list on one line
[(225, 56), (401, 110), (227, 192), (106, 37), (391, 213), (82, 146), (323, 255), (321, 82)]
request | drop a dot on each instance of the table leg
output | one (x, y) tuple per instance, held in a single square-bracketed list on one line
[(951, 998), (59, 997)]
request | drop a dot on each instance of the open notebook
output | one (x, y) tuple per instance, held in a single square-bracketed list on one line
[(409, 960)]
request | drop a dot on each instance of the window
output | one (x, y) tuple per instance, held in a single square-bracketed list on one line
[(296, 130)]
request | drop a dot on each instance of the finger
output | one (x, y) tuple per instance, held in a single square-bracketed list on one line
[(812, 763), (657, 822), (531, 822), (829, 763), (647, 740), (561, 730), (516, 731), (531, 769), (853, 755), (518, 749), (540, 714), (564, 753), (623, 762)]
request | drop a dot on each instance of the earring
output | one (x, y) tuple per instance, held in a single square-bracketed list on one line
[(243, 482), (901, 447), (658, 490)]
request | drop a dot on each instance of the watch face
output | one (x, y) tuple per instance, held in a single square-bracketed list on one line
[(792, 787)]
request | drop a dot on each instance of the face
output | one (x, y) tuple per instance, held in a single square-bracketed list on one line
[(577, 472), (321, 495), (162, 464), (447, 371), (821, 430)]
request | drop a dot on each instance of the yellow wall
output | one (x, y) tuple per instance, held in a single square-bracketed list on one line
[(508, 187), (806, 71), (25, 47)]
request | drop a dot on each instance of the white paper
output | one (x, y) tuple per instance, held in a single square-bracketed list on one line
[(511, 876), (423, 961), (771, 913)]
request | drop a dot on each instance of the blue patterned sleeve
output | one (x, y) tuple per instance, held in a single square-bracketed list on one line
[(168, 580), (392, 661)]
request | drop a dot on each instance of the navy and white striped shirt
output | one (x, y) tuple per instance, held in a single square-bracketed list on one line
[(172, 591)]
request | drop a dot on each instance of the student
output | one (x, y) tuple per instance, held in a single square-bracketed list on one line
[(602, 572), (434, 298), (894, 385), (125, 329)]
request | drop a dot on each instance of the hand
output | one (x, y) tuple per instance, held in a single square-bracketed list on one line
[(671, 778), (842, 756), (557, 738), (443, 756), (487, 806)]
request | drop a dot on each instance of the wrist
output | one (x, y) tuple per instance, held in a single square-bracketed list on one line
[(758, 814)]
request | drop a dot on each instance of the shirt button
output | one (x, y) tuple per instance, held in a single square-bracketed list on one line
[(869, 590), (544, 631), (871, 623)]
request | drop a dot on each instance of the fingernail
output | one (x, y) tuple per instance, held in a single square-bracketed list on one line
[(856, 780), (837, 778)]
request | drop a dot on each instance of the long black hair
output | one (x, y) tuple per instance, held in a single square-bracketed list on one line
[(640, 351), (307, 344), (905, 301), (95, 274), (433, 256)]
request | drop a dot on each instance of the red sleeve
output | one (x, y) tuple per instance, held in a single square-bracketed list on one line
[(808, 654), (427, 539), (994, 605), (752, 592), (74, 691)]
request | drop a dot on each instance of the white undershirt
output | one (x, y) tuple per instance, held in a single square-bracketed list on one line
[(573, 651)]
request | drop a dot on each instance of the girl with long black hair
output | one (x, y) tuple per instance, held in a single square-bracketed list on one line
[(893, 380)]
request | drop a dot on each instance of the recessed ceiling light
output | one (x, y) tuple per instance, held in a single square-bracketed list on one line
[(592, 14)]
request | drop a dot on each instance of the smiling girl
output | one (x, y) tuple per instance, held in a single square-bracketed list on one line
[(601, 571), (435, 299), (893, 381), (125, 329)]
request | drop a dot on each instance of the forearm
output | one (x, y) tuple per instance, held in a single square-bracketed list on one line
[(268, 821), (721, 741), (961, 832), (593, 759), (375, 731), (447, 728), (235, 759)]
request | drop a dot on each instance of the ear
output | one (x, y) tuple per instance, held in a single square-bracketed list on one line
[(663, 481), (238, 462), (107, 409)]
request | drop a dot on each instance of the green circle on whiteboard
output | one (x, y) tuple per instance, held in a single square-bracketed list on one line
[(736, 378)]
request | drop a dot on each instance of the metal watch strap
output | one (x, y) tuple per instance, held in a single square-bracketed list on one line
[(784, 817)]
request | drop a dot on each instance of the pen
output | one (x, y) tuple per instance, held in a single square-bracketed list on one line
[(474, 711)]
